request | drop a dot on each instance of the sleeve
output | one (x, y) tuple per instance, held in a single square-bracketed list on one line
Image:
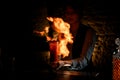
[(79, 64)]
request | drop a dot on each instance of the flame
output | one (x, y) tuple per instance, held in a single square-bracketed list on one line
[(64, 35), (44, 32)]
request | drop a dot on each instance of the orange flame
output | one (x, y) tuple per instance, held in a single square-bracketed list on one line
[(64, 35), (43, 33)]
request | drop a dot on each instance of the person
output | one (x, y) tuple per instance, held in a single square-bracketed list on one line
[(84, 38)]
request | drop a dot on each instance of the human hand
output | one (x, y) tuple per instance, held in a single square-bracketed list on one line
[(64, 63), (61, 64)]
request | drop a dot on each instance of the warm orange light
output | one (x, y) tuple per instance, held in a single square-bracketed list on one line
[(64, 35)]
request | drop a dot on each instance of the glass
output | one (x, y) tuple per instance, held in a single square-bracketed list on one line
[(54, 50)]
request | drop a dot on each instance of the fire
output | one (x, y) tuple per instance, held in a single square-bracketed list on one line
[(44, 32), (64, 35)]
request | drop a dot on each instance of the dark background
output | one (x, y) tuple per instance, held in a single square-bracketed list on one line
[(17, 26)]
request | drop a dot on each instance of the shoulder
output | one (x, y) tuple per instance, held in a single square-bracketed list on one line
[(90, 32), (89, 29)]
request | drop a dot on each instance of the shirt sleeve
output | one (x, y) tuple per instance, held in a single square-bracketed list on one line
[(79, 64)]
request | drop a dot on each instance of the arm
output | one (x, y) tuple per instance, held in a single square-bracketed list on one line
[(87, 43), (87, 50)]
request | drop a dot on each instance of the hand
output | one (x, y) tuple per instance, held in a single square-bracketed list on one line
[(54, 65), (62, 63)]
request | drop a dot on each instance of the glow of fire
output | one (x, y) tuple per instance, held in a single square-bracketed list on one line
[(44, 32), (64, 35)]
